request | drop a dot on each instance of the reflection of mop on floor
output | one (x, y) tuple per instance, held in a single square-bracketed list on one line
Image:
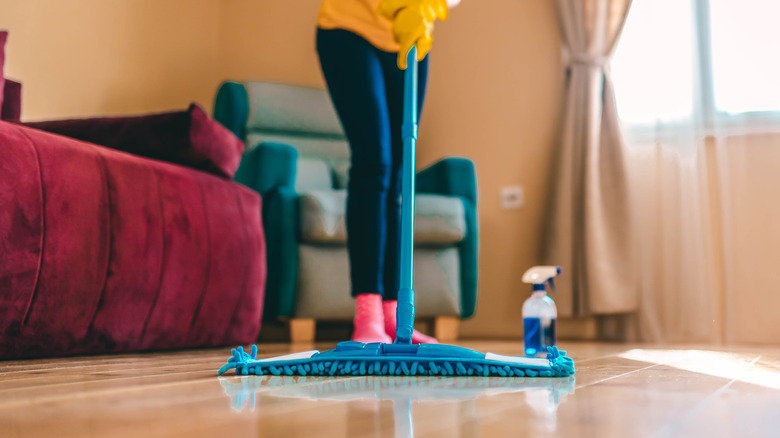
[(543, 394)]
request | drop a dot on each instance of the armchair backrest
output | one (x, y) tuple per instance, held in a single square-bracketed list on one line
[(301, 117)]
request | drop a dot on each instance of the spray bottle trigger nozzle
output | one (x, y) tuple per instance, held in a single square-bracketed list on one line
[(552, 285)]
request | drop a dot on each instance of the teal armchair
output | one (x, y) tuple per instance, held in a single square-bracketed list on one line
[(297, 158)]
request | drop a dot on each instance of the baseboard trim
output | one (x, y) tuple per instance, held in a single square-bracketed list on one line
[(577, 329)]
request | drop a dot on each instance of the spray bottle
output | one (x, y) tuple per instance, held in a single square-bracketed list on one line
[(539, 311)]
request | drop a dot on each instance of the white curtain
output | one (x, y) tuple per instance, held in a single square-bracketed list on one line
[(708, 224), (589, 231), (704, 181), (677, 239)]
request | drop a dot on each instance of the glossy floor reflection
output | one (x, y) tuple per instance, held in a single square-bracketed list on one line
[(618, 390), (542, 394)]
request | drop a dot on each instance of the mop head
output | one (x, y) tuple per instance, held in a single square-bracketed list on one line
[(379, 359)]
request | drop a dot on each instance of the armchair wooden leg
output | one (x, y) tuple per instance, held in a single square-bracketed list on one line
[(302, 330), (446, 328)]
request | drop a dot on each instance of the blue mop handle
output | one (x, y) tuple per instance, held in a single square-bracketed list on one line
[(405, 312)]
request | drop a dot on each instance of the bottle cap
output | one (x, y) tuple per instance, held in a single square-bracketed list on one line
[(539, 276)]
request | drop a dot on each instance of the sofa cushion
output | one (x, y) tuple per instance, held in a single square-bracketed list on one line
[(190, 138), (333, 151), (301, 117), (323, 283), (289, 108), (312, 174), (438, 219), (12, 101)]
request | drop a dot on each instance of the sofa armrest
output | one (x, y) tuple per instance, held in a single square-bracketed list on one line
[(281, 220), (457, 177), (267, 167), (231, 108), (450, 176), (469, 251), (270, 169)]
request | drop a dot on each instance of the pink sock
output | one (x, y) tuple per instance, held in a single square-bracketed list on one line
[(390, 308), (368, 319)]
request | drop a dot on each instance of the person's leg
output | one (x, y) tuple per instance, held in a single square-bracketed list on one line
[(355, 80), (394, 88)]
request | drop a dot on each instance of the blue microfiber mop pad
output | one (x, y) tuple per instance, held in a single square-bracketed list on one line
[(358, 359)]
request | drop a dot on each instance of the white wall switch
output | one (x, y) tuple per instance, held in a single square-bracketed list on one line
[(512, 197)]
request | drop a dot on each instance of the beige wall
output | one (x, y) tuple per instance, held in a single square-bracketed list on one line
[(750, 218), (269, 40), (90, 57), (495, 91)]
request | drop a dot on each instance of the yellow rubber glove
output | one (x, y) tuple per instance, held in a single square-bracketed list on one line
[(413, 24)]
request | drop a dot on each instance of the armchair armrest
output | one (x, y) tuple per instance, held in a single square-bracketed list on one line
[(450, 176), (267, 167), (231, 108), (281, 230), (270, 169), (457, 177)]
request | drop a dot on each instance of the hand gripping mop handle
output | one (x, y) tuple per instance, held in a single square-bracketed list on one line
[(405, 312)]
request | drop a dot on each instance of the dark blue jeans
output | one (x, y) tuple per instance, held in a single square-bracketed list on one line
[(366, 87)]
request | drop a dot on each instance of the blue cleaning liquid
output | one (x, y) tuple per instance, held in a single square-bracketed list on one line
[(538, 336)]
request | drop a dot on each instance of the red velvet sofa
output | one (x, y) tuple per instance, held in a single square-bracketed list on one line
[(106, 251)]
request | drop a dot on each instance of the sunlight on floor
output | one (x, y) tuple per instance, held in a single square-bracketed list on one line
[(732, 366)]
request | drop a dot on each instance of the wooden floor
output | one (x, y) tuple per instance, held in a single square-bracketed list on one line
[(618, 391)]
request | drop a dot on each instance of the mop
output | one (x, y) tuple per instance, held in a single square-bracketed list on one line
[(402, 358)]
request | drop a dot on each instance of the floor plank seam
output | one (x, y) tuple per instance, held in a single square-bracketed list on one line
[(674, 427)]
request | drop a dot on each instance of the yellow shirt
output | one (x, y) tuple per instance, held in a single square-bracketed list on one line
[(360, 17)]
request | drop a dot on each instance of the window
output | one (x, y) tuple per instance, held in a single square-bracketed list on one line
[(698, 62), (745, 62)]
